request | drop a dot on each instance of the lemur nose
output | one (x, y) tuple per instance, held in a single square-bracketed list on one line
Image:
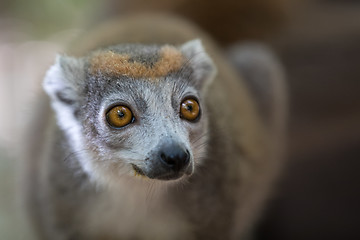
[(174, 157)]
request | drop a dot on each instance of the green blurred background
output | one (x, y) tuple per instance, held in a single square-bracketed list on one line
[(40, 18)]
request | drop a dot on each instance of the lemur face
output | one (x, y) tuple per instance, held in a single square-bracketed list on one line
[(134, 109)]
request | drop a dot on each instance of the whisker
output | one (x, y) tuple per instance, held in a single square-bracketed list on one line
[(206, 134), (74, 154), (150, 191)]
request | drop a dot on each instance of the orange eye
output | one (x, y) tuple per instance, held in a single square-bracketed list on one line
[(190, 109), (119, 116)]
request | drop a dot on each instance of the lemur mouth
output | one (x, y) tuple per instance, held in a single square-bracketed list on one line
[(169, 176), (162, 176), (138, 171)]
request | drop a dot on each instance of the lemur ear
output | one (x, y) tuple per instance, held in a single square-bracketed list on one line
[(64, 79), (202, 65)]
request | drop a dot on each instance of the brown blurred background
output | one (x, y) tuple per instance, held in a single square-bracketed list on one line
[(318, 41)]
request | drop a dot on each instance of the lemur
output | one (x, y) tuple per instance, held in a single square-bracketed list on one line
[(147, 131)]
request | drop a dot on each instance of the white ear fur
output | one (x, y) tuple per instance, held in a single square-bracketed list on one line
[(64, 79), (62, 83), (203, 66)]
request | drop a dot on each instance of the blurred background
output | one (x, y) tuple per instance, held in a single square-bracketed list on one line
[(318, 41)]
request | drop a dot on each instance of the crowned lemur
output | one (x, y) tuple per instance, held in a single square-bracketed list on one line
[(149, 132)]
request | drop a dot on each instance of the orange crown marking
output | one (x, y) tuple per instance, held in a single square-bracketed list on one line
[(113, 64)]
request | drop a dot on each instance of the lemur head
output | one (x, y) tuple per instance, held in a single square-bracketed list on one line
[(134, 109)]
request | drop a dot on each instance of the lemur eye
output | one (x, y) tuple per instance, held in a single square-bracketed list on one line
[(189, 109), (119, 116)]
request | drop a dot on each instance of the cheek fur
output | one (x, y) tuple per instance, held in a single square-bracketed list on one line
[(116, 141), (198, 137)]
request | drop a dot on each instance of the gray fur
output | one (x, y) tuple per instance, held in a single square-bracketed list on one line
[(81, 182), (155, 104)]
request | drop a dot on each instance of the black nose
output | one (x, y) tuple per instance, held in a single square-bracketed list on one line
[(174, 157)]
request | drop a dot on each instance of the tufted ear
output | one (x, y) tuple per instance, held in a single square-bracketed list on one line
[(202, 65), (65, 79)]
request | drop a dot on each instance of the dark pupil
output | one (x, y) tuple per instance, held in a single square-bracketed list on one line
[(189, 108), (121, 114)]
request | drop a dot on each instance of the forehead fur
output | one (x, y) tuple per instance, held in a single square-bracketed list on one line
[(115, 64)]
